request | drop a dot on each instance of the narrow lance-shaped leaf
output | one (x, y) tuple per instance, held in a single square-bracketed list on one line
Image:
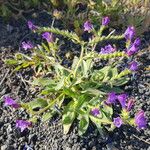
[(83, 124)]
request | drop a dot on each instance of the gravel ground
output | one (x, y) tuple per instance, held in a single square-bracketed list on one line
[(49, 136)]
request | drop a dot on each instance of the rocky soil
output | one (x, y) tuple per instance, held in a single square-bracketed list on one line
[(49, 136)]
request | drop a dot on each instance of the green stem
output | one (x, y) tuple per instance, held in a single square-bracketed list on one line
[(47, 107)]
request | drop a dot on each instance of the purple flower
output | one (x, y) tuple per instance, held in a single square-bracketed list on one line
[(122, 100), (27, 45), (137, 42), (95, 111), (130, 104), (22, 124), (133, 66), (88, 26), (31, 26), (47, 36), (129, 33), (117, 122), (111, 98), (140, 120), (105, 21), (133, 49), (107, 49), (10, 102)]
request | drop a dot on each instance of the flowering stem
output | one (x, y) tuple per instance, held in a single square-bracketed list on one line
[(101, 30), (104, 38)]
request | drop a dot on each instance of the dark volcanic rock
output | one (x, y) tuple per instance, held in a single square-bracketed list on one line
[(49, 136)]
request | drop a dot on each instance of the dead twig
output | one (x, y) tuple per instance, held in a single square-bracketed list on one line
[(147, 142), (6, 74)]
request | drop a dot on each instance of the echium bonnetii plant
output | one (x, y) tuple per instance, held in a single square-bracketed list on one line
[(80, 92)]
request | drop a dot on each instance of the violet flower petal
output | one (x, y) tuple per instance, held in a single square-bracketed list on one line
[(31, 26), (137, 42), (117, 122), (130, 105), (88, 26), (47, 36), (140, 120), (122, 100), (105, 21), (107, 49), (111, 98), (23, 124), (133, 66), (27, 45), (10, 102), (133, 49), (95, 112), (129, 33)]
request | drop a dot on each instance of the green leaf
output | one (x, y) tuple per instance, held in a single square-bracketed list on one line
[(114, 72), (47, 116), (105, 70), (108, 111), (43, 82), (18, 68), (120, 81), (60, 84), (93, 91), (98, 124), (68, 119), (75, 61), (83, 124), (98, 76), (18, 56), (11, 62), (95, 101), (68, 116), (61, 100), (70, 93), (38, 103), (59, 70), (45, 47), (84, 68), (89, 84), (81, 101), (34, 119), (107, 89)]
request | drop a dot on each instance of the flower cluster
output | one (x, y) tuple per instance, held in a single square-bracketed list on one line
[(113, 98), (129, 36), (134, 46), (126, 104)]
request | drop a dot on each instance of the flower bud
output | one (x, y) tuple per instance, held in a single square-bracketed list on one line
[(88, 26), (105, 21)]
